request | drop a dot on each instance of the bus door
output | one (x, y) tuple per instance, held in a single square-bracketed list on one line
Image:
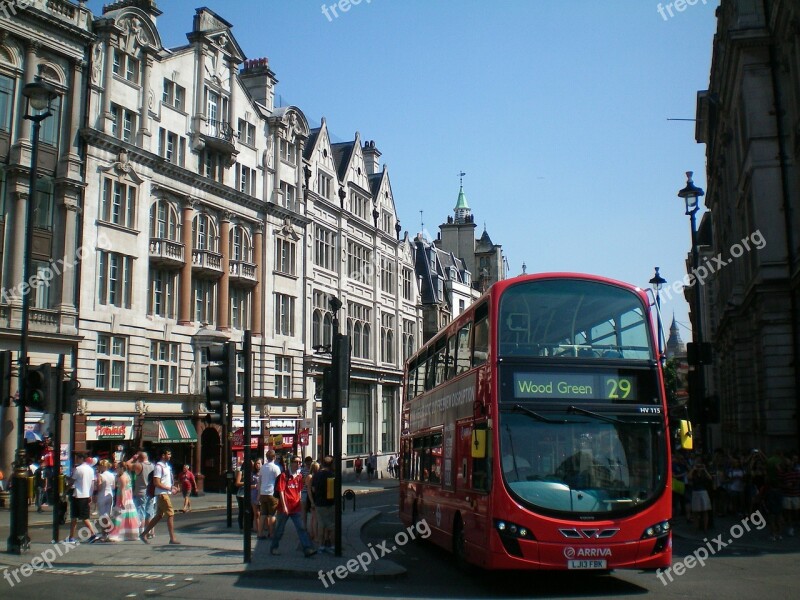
[(473, 481)]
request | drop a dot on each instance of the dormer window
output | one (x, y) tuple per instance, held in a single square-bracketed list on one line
[(126, 66), (173, 95), (287, 151)]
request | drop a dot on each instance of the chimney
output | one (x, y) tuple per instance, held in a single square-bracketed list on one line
[(372, 157), (260, 81)]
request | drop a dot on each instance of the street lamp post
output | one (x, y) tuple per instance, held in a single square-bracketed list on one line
[(691, 195), (658, 282), (39, 95)]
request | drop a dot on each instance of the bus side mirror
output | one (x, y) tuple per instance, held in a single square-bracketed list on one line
[(685, 435), (478, 443)]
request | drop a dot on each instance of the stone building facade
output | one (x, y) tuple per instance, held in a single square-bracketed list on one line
[(749, 119)]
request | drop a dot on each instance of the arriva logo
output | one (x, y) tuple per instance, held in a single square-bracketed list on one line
[(571, 552)]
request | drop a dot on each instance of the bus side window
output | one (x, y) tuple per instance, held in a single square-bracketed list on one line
[(430, 370), (451, 357), (441, 362), (481, 350), (421, 365), (411, 382), (463, 356)]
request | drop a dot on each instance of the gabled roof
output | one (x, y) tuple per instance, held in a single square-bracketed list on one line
[(342, 153), (484, 243)]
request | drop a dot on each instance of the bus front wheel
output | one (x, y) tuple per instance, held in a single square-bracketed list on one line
[(459, 544)]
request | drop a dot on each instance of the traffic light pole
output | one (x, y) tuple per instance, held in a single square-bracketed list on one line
[(247, 392), (18, 540), (55, 475)]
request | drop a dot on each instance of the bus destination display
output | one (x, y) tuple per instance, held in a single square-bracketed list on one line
[(576, 386)]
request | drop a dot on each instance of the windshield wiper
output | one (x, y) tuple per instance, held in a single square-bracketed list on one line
[(535, 415), (588, 413)]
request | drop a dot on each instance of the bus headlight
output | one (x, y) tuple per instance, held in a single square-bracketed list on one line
[(507, 529), (656, 530)]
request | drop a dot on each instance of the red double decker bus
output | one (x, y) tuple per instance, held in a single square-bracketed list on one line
[(535, 430)]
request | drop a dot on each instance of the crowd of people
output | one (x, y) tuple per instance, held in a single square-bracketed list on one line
[(124, 500), (287, 489), (736, 484)]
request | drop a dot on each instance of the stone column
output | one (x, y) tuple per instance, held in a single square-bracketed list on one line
[(18, 247), (108, 79), (185, 288), (31, 49), (223, 297), (70, 161), (258, 259), (147, 101), (69, 217)]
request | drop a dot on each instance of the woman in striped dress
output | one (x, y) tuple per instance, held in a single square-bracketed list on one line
[(126, 520)]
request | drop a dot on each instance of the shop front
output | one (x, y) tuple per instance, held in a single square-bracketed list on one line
[(179, 435), (110, 437)]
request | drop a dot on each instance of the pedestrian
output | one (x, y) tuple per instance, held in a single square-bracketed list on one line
[(358, 466), (255, 503), (125, 516), (164, 487), (701, 500), (322, 493), (140, 468), (290, 484), (309, 508), (82, 480), (188, 487), (2, 481), (372, 465), (106, 480), (268, 501), (392, 465), (239, 485)]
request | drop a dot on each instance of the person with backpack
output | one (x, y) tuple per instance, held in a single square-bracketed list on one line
[(164, 486), (142, 469), (321, 494)]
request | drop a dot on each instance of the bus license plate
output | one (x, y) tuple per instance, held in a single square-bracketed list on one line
[(586, 564)]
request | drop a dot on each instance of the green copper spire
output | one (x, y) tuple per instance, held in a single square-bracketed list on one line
[(462, 200)]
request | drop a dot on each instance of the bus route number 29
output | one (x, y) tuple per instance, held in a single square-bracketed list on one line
[(620, 388)]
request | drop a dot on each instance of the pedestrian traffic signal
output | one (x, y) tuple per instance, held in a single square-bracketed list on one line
[(39, 393), (220, 380), (5, 378), (341, 362), (329, 404), (69, 396)]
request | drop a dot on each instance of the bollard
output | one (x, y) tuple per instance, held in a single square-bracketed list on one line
[(349, 495)]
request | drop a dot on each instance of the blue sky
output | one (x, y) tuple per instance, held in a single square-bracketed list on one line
[(556, 110)]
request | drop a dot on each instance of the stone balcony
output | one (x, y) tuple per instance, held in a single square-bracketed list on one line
[(166, 253), (207, 263), (243, 273)]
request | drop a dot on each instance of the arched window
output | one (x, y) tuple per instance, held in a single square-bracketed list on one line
[(240, 246), (365, 346), (164, 222), (357, 339), (316, 329), (204, 233), (327, 329)]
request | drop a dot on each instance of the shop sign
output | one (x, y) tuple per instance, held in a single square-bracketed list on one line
[(304, 437)]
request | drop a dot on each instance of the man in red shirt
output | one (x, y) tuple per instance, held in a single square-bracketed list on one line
[(289, 486)]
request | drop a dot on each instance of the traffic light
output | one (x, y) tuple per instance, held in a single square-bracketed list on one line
[(341, 362), (39, 393), (328, 396), (5, 378), (220, 380), (69, 395)]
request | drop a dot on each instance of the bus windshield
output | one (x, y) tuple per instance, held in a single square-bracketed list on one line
[(564, 463), (572, 318)]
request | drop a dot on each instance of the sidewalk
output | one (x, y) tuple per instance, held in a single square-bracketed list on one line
[(734, 534), (209, 549)]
